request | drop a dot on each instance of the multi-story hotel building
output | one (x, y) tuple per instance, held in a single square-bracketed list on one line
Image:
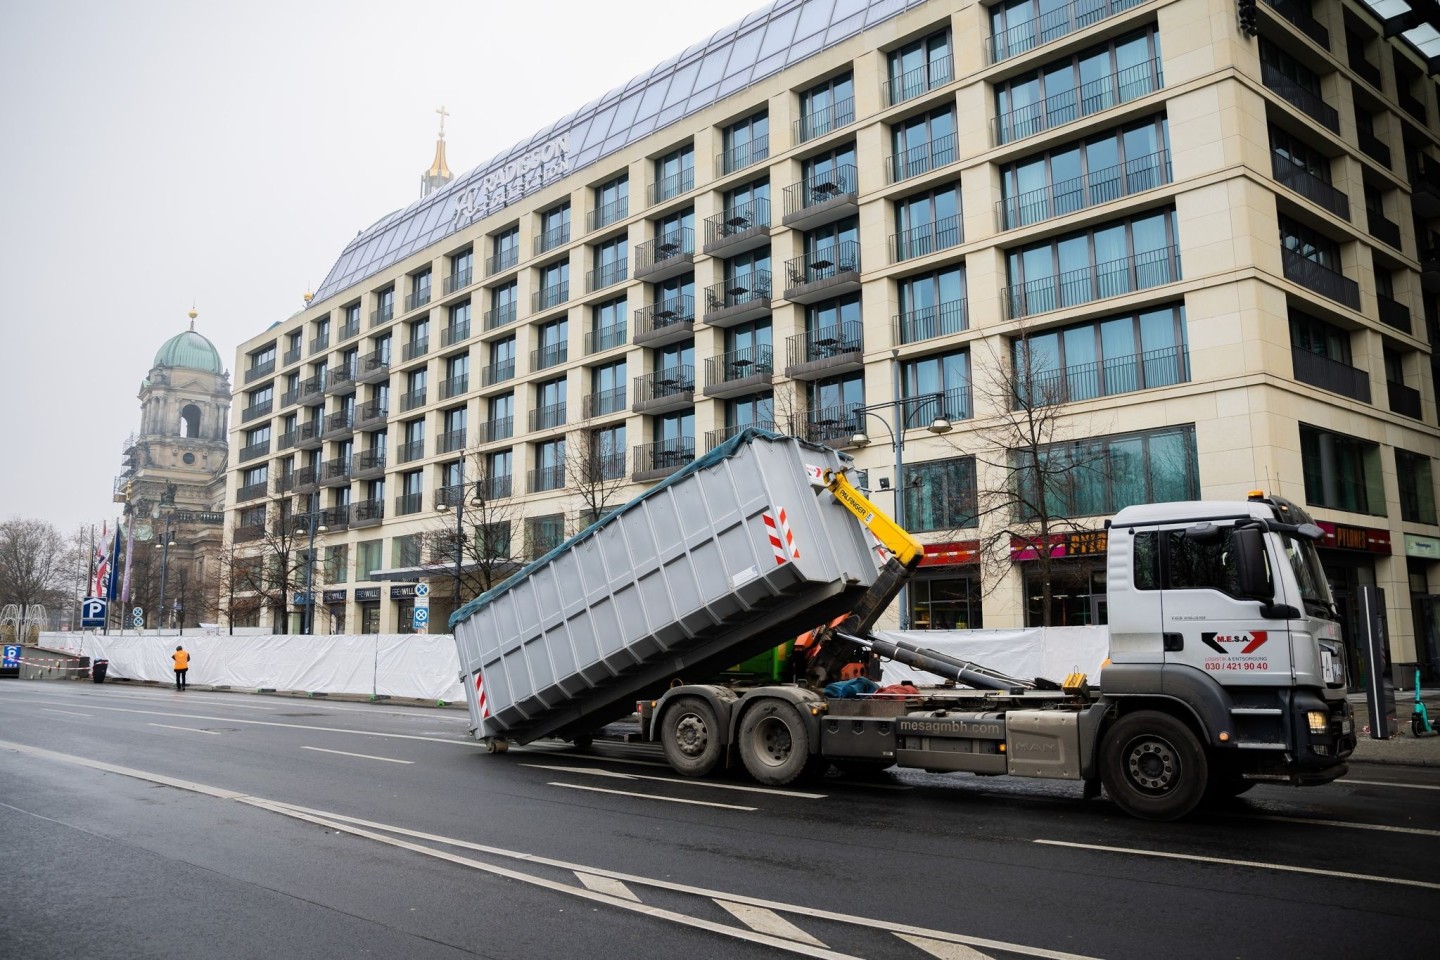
[(1198, 238)]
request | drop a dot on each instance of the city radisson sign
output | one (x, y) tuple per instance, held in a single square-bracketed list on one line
[(518, 178)]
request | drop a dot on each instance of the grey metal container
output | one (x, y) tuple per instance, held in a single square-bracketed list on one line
[(680, 583)]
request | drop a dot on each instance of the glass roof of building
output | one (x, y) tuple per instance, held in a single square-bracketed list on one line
[(1418, 20), (763, 43)]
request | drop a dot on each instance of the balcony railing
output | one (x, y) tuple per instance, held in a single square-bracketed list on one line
[(713, 438), (493, 488), (749, 289), (408, 503), (452, 440), (674, 312), (672, 186), (663, 456), (672, 248), (926, 323), (927, 156), (542, 358), (822, 121), (1393, 313), (1105, 378), (339, 422), (820, 189), (497, 372), (415, 398), (320, 343), (292, 355), (501, 428), (920, 241), (1331, 375), (737, 221), (1403, 400), (417, 298), (371, 461), (742, 364), (503, 260), (1092, 97), (824, 264), (603, 402), (370, 411), (454, 386), (1386, 231), (260, 370), (1373, 146), (826, 343), (500, 316), (454, 333), (551, 415), (350, 328), (603, 338), (308, 432), (834, 425), (676, 382), (314, 387), (374, 366), (367, 511), (1320, 278), (257, 410), (606, 275), (1309, 186), (459, 280), (1053, 25), (1078, 193), (254, 450), (547, 478), (1113, 279), (382, 314), (1306, 101), (551, 296), (552, 238), (924, 78), (741, 156), (335, 470), (612, 212), (1299, 12), (286, 440), (415, 348), (252, 492), (406, 452), (343, 373)]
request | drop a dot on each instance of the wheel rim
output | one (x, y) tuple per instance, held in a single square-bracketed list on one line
[(691, 735), (1152, 764), (772, 742)]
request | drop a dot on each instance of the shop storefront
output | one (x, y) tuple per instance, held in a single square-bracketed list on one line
[(334, 601), (1077, 578), (1348, 555), (403, 595), (368, 600), (1420, 553), (945, 593)]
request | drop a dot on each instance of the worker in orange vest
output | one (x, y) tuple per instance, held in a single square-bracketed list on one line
[(182, 664)]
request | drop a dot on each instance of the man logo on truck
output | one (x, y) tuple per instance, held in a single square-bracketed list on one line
[(1252, 641)]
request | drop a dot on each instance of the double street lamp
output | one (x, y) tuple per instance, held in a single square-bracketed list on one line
[(907, 413), (160, 616), (308, 617)]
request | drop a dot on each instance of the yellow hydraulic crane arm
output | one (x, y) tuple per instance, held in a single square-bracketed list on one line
[(896, 539)]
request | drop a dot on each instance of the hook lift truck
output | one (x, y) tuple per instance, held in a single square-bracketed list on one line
[(1226, 666)]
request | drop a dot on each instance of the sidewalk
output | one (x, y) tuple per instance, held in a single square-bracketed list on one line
[(1403, 747)]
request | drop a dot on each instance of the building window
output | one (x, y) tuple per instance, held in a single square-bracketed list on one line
[(553, 341), (369, 555), (757, 410), (1066, 90), (824, 107), (384, 306), (931, 305), (549, 466), (607, 326), (746, 142), (674, 174), (554, 228), (406, 551), (946, 603), (936, 386), (506, 249), (607, 389), (419, 291), (926, 223), (1135, 351), (554, 285), (612, 202), (503, 309), (462, 266), (1417, 488), (918, 67), (549, 405), (336, 563), (1341, 472), (940, 495), (921, 144), (1100, 475), (611, 263), (833, 404), (543, 534), (1108, 260), (607, 455)]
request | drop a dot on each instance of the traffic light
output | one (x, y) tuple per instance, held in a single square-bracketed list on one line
[(1245, 10)]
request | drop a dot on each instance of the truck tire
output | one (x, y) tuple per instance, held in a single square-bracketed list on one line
[(691, 737), (1152, 766), (775, 744)]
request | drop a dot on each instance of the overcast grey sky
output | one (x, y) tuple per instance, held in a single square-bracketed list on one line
[(161, 153)]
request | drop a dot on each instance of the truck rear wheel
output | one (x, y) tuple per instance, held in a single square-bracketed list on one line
[(1152, 766), (775, 744), (691, 737)]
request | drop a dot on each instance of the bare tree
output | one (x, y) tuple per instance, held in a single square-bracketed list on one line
[(34, 562), (595, 468), (267, 562), (1030, 465), (478, 529)]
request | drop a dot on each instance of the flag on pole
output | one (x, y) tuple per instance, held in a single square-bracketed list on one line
[(112, 566), (102, 563)]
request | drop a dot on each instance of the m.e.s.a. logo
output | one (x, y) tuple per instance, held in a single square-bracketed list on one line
[(1232, 643)]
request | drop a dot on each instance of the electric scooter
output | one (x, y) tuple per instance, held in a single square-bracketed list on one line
[(1420, 724)]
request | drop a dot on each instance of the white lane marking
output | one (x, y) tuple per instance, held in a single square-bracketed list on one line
[(354, 826), (764, 920), (362, 756), (652, 796), (606, 885), (1260, 865), (688, 781), (943, 950), (1380, 827), (1387, 783), (169, 726), (70, 712)]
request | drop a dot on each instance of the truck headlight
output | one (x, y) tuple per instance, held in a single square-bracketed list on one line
[(1319, 721)]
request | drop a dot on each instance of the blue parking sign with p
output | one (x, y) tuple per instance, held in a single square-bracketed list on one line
[(92, 612), (12, 655)]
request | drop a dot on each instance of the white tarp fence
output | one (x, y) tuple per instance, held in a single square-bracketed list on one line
[(1050, 652), (419, 666)]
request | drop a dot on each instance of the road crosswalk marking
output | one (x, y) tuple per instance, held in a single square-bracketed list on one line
[(766, 921)]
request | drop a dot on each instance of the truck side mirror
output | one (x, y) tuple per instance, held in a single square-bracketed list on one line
[(1250, 568)]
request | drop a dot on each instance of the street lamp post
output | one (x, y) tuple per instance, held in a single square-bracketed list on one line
[(905, 411), (308, 618), (160, 617)]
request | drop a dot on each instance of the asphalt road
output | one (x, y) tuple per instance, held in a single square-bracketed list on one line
[(142, 822)]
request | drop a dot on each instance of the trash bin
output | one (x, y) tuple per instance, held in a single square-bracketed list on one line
[(98, 668)]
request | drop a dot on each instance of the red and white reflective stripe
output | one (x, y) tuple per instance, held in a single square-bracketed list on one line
[(480, 703), (782, 539), (50, 664)]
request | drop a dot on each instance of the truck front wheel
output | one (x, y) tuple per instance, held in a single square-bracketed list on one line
[(1152, 766), (775, 744), (691, 737)]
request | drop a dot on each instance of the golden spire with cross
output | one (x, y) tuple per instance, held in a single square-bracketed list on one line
[(443, 114), (439, 173)]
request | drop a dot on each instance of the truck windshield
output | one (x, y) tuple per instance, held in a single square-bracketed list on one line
[(1309, 575)]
